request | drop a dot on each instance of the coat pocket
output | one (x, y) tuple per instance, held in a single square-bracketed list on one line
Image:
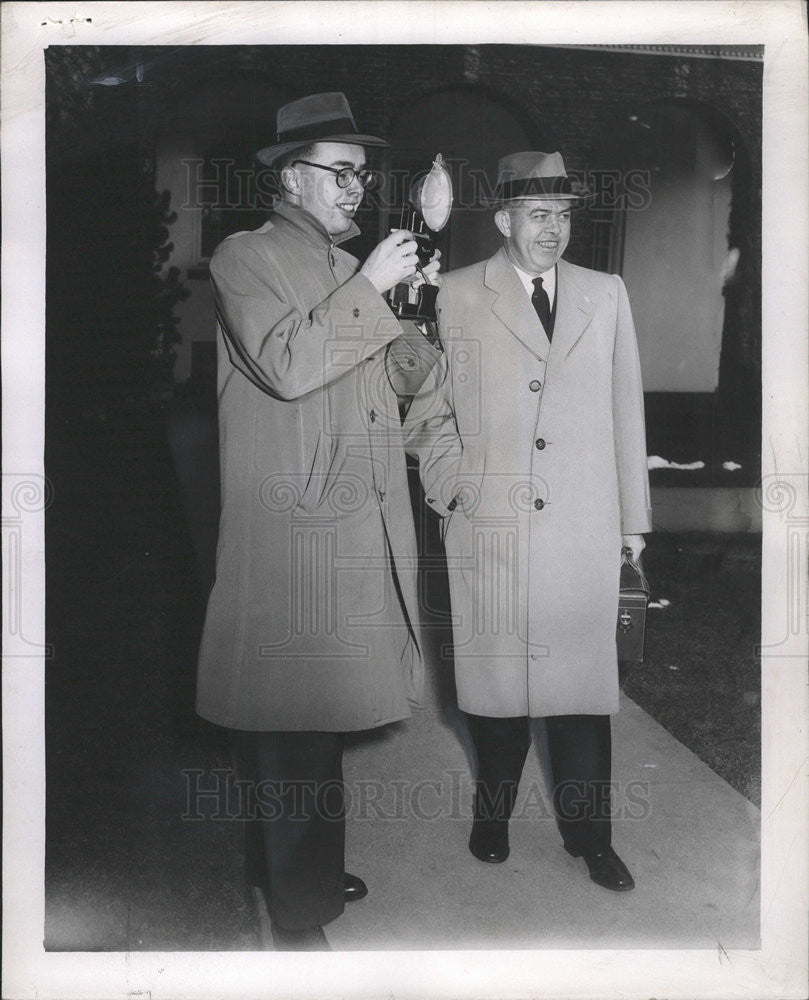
[(316, 450)]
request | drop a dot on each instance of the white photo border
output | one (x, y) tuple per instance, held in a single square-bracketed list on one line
[(779, 968)]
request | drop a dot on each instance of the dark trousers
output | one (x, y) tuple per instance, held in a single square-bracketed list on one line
[(295, 824), (580, 752)]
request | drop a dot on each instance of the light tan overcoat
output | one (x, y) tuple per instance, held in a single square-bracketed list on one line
[(544, 447), (312, 620)]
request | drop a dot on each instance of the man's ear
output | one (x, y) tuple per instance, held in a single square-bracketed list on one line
[(503, 222), (290, 180)]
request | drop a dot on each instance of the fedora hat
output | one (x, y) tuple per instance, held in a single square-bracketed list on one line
[(535, 175), (316, 118)]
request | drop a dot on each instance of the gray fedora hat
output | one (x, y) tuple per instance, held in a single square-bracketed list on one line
[(316, 118), (535, 175)]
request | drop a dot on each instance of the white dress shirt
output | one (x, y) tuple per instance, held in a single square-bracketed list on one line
[(548, 282)]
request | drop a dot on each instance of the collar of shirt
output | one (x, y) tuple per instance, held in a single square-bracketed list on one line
[(308, 227), (548, 281)]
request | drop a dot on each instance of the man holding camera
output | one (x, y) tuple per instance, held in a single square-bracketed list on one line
[(532, 450), (312, 623)]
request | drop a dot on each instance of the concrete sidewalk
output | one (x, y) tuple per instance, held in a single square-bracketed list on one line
[(690, 840)]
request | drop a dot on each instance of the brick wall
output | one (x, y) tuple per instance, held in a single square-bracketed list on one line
[(567, 99)]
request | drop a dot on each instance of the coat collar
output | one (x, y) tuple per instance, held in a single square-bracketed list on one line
[(574, 309), (308, 228)]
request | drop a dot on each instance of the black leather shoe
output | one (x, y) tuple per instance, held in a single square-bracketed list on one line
[(354, 888), (489, 840), (606, 869), (308, 939)]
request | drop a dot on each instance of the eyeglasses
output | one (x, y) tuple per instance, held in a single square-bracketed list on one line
[(345, 175)]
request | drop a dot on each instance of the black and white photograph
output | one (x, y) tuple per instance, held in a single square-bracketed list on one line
[(405, 499)]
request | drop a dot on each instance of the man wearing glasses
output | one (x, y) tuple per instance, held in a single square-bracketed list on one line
[(311, 628)]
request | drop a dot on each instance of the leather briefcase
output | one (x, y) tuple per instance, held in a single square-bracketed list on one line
[(632, 601)]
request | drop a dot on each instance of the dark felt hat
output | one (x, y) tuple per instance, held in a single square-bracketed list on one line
[(535, 175), (316, 118)]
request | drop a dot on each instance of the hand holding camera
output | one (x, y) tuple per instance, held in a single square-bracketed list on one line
[(427, 273), (392, 261)]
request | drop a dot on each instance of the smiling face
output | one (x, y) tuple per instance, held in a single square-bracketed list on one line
[(536, 232), (317, 190)]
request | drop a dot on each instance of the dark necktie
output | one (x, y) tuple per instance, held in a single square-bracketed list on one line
[(542, 304)]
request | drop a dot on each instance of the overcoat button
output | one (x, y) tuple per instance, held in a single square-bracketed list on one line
[(539, 504), (411, 362), (540, 443), (534, 385), (356, 312), (372, 415)]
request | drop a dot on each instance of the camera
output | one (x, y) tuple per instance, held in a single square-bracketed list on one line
[(425, 213)]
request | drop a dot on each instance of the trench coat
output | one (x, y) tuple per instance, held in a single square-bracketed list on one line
[(534, 454), (312, 620)]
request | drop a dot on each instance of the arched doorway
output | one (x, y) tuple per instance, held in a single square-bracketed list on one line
[(675, 253), (683, 249), (471, 129)]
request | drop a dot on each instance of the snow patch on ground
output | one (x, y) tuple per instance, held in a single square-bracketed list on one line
[(656, 462)]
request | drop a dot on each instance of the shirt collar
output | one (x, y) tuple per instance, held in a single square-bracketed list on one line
[(309, 228), (548, 281)]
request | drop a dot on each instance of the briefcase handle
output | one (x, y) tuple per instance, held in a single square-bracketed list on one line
[(632, 575)]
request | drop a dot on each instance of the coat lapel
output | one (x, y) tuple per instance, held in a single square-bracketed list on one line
[(574, 307), (574, 310), (513, 307)]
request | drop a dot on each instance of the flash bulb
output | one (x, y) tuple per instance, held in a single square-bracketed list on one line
[(432, 195)]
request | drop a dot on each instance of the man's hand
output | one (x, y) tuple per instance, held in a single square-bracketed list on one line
[(429, 273), (391, 261), (637, 543)]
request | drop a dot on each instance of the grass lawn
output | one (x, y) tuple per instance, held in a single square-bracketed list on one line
[(701, 677)]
